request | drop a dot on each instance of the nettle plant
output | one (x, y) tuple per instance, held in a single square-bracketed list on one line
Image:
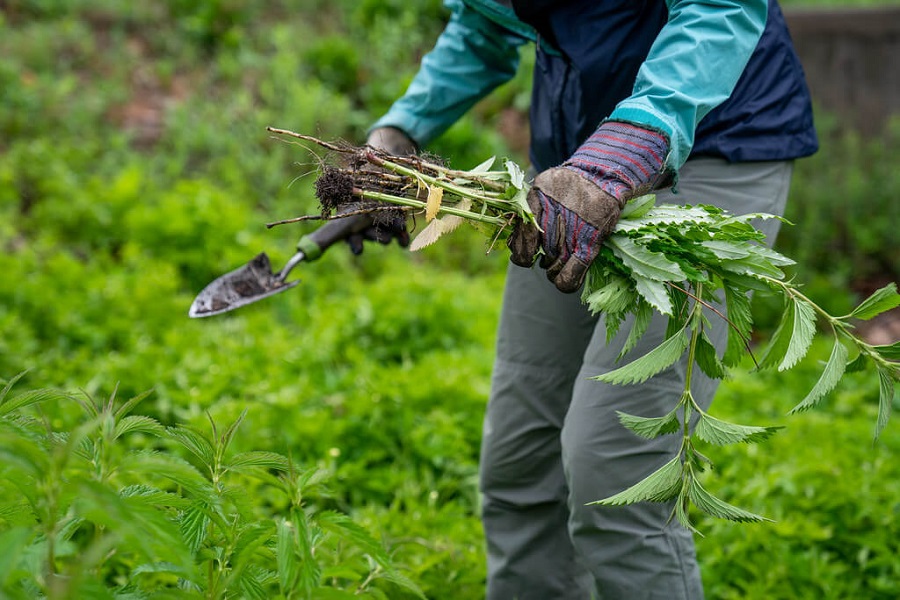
[(111, 509), (689, 263)]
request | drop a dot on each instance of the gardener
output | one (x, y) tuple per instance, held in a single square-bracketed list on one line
[(628, 96)]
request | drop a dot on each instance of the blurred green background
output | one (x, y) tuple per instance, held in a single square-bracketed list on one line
[(135, 168)]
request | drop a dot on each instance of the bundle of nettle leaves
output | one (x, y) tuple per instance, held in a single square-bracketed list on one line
[(675, 260)]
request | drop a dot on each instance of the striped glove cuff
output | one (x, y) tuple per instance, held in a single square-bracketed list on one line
[(622, 159)]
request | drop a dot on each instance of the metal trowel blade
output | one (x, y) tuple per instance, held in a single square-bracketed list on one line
[(245, 285)]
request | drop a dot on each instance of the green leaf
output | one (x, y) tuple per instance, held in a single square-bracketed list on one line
[(740, 326), (194, 441), (13, 545), (614, 297), (9, 385), (885, 400), (31, 397), (793, 337), (350, 531), (662, 215), (403, 582), (129, 405), (753, 265), (641, 369), (655, 293), (643, 315), (711, 505), (247, 461), (194, 523), (140, 424), (484, 166), (707, 359), (286, 556), (889, 351), (660, 486), (834, 370), (857, 364), (638, 207), (644, 262), (719, 432), (770, 255), (651, 427), (881, 301), (727, 250)]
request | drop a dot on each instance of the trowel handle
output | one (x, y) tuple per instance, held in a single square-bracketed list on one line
[(314, 244)]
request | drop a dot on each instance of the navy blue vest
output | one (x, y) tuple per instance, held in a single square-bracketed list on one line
[(767, 117)]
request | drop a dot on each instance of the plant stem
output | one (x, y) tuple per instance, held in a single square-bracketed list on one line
[(465, 214), (484, 196)]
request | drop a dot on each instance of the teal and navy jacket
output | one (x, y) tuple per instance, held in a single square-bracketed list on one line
[(719, 77)]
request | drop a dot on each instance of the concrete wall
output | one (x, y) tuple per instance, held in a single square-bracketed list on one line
[(852, 61)]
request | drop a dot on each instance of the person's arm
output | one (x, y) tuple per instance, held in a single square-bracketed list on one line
[(472, 56), (692, 67)]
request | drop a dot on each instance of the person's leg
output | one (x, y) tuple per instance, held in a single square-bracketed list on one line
[(636, 552), (540, 344)]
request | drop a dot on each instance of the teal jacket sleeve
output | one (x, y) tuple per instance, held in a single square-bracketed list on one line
[(693, 66), (472, 56)]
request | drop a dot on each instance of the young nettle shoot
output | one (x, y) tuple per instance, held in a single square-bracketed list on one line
[(692, 264)]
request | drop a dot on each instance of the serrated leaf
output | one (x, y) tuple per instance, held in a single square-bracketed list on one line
[(664, 214), (644, 262), (350, 531), (286, 556), (727, 250), (804, 332), (885, 400), (657, 360), (889, 351), (754, 266), (880, 301), (403, 582), (776, 258), (154, 497), (129, 405), (716, 507), (194, 523), (792, 338), (257, 460), (655, 293), (31, 397), (9, 385), (614, 297), (740, 317), (433, 202), (834, 370), (721, 433), (138, 424), (650, 427), (707, 359), (643, 315), (660, 486), (194, 441)]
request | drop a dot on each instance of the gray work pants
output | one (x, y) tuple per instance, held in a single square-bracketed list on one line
[(552, 441)]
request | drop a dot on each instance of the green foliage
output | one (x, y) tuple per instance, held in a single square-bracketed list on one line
[(127, 130), (84, 505)]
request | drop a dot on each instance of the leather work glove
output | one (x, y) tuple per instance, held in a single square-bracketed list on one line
[(396, 142), (578, 203)]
